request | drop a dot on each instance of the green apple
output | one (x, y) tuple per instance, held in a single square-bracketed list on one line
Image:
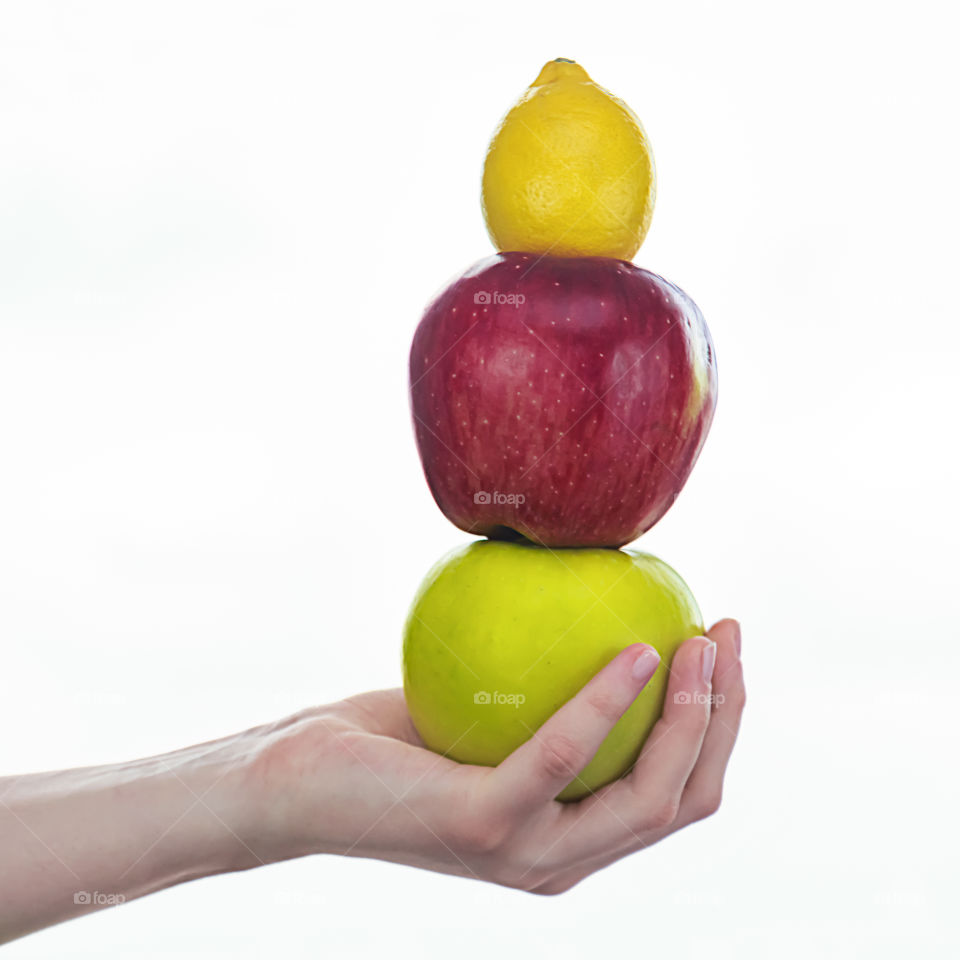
[(501, 635)]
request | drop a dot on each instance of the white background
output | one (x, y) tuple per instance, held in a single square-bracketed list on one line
[(219, 223)]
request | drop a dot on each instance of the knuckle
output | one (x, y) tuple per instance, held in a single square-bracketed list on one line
[(481, 834), (701, 804), (605, 706), (708, 804), (561, 756), (472, 837), (661, 814)]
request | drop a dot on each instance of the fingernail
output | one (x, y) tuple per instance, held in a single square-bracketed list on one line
[(708, 659), (646, 664), (736, 636)]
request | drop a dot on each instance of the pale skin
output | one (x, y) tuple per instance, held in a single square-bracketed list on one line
[(353, 778)]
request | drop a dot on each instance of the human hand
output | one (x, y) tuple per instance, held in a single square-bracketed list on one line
[(354, 778)]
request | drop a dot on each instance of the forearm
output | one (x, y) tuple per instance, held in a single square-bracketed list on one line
[(77, 840)]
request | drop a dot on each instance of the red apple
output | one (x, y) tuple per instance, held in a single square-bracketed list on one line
[(562, 399)]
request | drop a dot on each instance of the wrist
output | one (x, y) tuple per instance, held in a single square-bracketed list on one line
[(197, 802)]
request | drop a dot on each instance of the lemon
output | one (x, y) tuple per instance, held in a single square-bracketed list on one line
[(569, 171)]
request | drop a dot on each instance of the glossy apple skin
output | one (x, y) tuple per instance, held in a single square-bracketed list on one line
[(513, 619), (582, 408)]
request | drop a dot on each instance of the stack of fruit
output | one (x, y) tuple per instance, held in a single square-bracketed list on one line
[(560, 396)]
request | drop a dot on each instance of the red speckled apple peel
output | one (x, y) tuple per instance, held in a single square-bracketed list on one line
[(513, 437)]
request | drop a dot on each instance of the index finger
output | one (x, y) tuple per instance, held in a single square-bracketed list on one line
[(556, 753)]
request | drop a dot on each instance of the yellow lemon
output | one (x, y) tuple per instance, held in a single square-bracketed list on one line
[(569, 171)]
